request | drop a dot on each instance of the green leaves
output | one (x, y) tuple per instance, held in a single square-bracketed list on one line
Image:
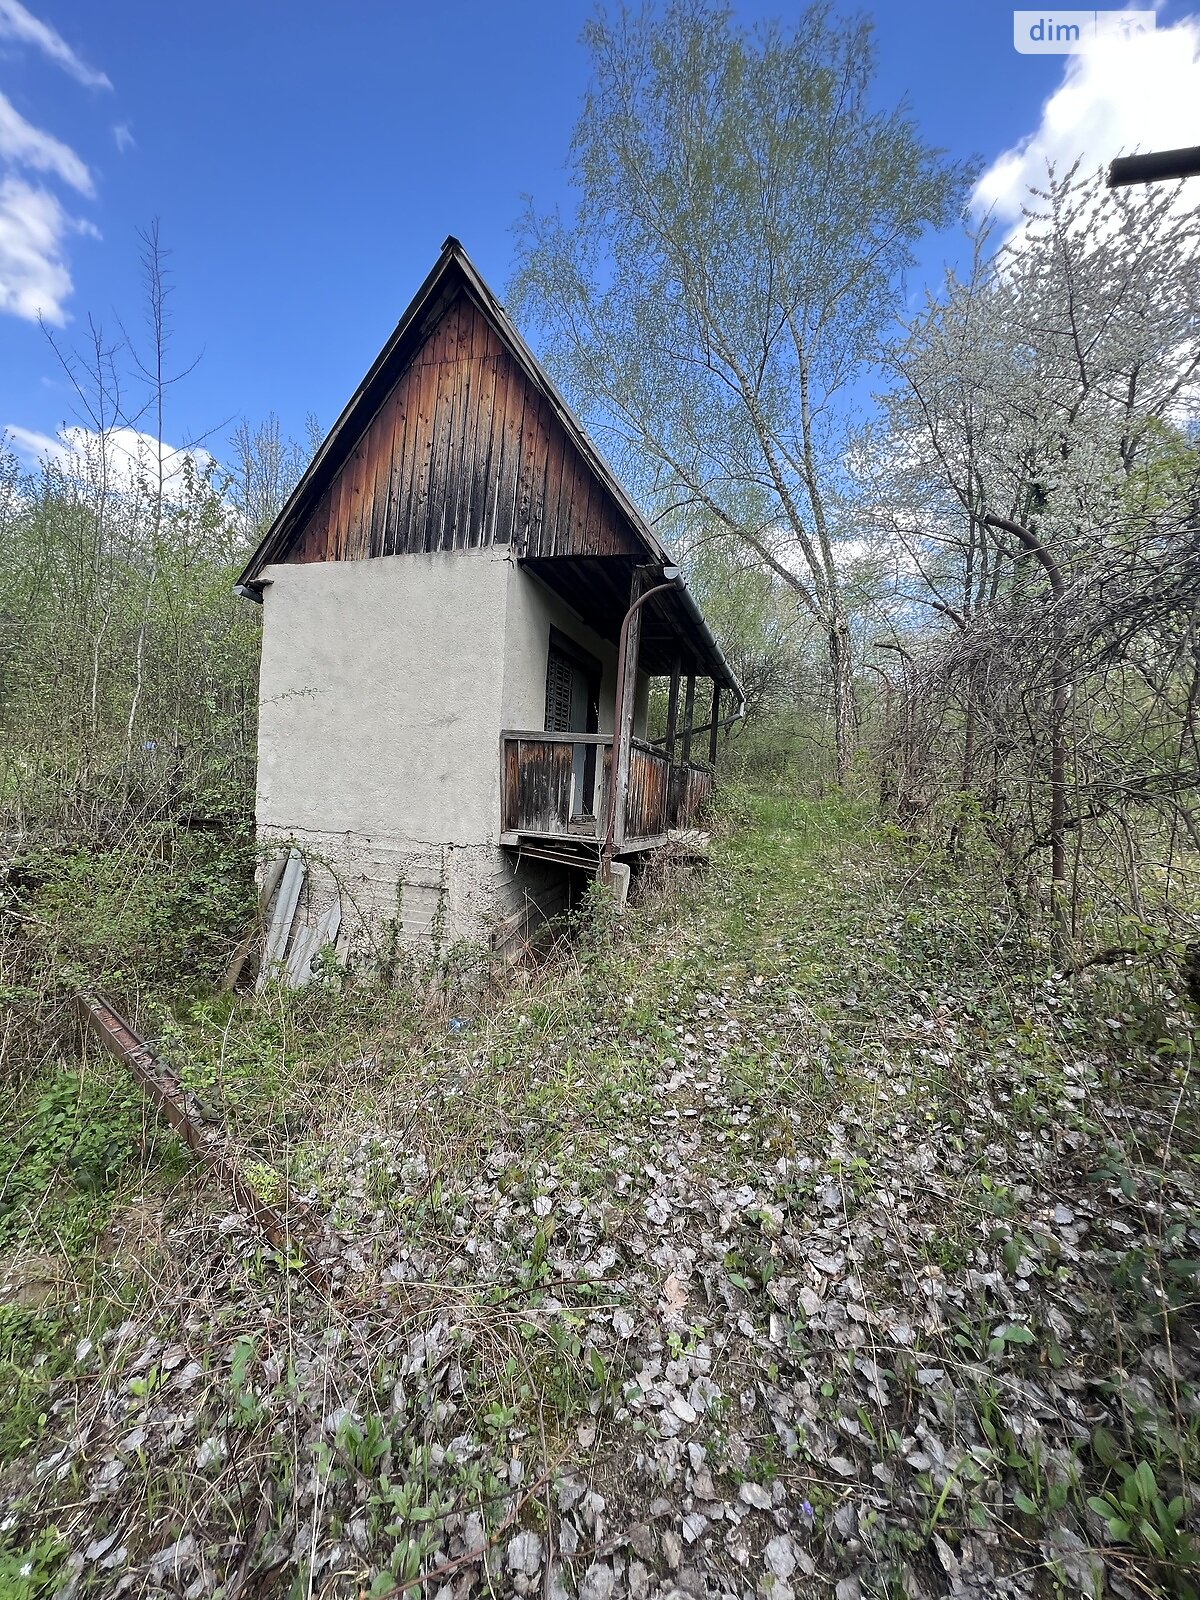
[(77, 1139), (1137, 1513), (239, 1366), (1006, 1334)]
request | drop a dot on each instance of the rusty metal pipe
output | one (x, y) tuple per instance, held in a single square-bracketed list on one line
[(292, 1230)]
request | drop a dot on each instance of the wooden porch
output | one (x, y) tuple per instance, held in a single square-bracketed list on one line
[(555, 796)]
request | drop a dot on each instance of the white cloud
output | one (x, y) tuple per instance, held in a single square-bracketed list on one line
[(1116, 96), (34, 280), (132, 456), (27, 146), (34, 226), (33, 448), (19, 24), (123, 137)]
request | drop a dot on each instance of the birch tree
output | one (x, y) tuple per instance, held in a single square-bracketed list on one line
[(744, 214)]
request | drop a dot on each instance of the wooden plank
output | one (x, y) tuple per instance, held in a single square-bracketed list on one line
[(480, 531), (444, 408), (360, 506), (508, 466), (401, 402), (314, 541), (554, 472), (349, 504), (424, 468), (383, 429), (333, 527), (410, 464), (564, 519), (534, 470), (487, 448), (537, 785), (454, 532), (575, 505), (716, 716), (589, 529), (673, 708), (465, 532), (418, 504), (502, 401)]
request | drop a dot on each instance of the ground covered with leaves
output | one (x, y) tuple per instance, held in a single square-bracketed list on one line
[(800, 1232)]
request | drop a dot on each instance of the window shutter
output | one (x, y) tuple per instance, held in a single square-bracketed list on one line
[(558, 693)]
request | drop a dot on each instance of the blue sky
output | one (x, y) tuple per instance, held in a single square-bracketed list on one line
[(305, 161)]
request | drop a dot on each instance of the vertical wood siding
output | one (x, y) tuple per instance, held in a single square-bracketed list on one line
[(648, 799), (691, 787), (463, 452)]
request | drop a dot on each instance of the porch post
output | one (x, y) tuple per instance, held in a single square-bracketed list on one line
[(689, 705), (623, 735), (673, 710), (669, 740), (712, 732)]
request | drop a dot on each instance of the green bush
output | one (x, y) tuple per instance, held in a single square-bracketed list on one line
[(67, 1148)]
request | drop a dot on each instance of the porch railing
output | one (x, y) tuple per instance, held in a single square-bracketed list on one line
[(691, 786), (556, 784)]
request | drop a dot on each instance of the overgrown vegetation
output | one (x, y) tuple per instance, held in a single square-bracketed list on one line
[(801, 1217)]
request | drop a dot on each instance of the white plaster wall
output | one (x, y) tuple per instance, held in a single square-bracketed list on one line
[(378, 736), (380, 696)]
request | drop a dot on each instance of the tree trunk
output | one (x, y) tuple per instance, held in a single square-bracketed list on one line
[(841, 666), (1060, 701)]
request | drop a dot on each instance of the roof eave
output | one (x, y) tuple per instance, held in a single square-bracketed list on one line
[(297, 501)]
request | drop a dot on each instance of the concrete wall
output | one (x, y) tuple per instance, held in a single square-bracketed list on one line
[(378, 733), (380, 695), (384, 687)]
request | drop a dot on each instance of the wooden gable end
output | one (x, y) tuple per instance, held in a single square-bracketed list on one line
[(464, 451)]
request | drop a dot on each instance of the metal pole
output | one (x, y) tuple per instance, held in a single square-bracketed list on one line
[(1154, 167)]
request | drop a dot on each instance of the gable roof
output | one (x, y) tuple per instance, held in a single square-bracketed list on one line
[(675, 613)]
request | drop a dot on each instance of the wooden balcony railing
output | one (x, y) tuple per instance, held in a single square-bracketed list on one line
[(555, 785), (691, 786), (648, 801)]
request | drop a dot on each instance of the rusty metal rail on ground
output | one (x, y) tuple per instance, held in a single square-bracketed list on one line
[(295, 1231)]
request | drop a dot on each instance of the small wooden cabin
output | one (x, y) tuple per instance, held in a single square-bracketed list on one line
[(443, 598)]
